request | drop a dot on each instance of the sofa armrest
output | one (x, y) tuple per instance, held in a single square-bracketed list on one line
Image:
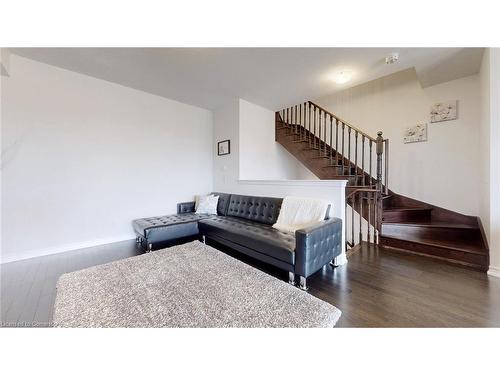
[(185, 207), (317, 245)]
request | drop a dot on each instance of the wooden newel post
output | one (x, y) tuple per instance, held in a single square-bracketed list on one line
[(378, 203), (380, 151)]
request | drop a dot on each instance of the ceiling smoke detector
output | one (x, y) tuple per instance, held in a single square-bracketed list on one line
[(392, 58)]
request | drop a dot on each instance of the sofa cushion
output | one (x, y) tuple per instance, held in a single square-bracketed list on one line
[(223, 203), (260, 209), (207, 204), (146, 226), (256, 236), (197, 200)]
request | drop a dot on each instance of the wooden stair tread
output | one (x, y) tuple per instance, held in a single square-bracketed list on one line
[(433, 224), (398, 209), (322, 157), (339, 177), (481, 265), (340, 166), (474, 247)]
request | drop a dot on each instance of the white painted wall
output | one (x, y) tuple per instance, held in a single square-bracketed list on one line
[(484, 143), (495, 162), (445, 170), (260, 156), (227, 125), (4, 61), (82, 157)]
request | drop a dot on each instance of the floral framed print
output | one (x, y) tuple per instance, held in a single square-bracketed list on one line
[(444, 111), (417, 133)]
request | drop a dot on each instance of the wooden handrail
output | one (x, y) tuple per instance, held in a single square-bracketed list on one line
[(343, 122)]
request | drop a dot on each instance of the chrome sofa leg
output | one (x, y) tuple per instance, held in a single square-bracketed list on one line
[(137, 239), (149, 247), (291, 278), (204, 239), (303, 283)]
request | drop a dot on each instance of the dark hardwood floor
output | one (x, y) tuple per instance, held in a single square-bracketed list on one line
[(28, 287), (377, 288)]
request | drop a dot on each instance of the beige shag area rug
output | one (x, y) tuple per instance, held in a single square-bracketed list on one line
[(191, 285)]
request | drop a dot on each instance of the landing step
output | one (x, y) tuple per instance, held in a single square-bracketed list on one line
[(472, 245), (468, 257), (433, 224)]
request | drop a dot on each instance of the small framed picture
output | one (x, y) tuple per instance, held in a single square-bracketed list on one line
[(444, 111), (223, 147), (417, 133)]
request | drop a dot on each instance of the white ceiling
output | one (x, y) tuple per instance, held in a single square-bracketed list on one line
[(270, 77)]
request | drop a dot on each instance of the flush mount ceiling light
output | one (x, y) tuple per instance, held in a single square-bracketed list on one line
[(392, 58), (343, 76)]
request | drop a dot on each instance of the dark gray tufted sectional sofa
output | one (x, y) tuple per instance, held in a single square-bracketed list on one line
[(244, 223)]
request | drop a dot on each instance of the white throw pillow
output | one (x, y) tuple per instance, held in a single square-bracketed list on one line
[(197, 200), (208, 205)]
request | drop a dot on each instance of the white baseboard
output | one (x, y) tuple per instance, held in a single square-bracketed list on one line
[(13, 257), (494, 271)]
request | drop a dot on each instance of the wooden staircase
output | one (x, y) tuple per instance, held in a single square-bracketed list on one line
[(333, 149)]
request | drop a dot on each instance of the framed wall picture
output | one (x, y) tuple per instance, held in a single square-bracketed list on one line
[(417, 133), (224, 147), (444, 111)]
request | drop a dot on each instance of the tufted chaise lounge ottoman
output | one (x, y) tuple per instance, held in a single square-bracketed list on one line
[(161, 231), (155, 232), (245, 223)]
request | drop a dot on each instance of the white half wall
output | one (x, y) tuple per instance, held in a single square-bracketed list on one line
[(82, 158), (445, 170)]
